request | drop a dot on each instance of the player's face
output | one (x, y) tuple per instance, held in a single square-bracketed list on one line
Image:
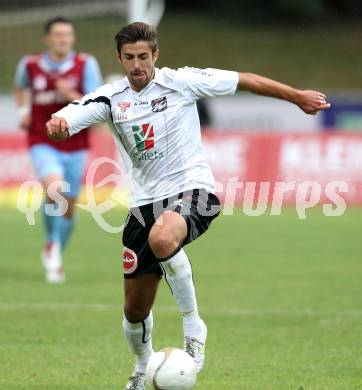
[(60, 39), (139, 63)]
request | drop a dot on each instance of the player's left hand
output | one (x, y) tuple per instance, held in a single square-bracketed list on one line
[(311, 102)]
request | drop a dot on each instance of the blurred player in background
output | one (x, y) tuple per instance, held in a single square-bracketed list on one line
[(55, 78), (153, 115)]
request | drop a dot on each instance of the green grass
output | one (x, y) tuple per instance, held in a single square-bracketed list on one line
[(320, 56), (281, 297)]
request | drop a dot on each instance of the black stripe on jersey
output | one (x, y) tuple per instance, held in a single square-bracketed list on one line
[(99, 99), (117, 93)]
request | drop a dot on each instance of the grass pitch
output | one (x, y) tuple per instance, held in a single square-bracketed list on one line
[(282, 299)]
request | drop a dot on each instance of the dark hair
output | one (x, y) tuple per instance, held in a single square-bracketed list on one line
[(50, 23), (136, 32)]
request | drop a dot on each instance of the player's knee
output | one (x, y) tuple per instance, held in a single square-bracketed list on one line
[(135, 313), (69, 214), (162, 243), (70, 209)]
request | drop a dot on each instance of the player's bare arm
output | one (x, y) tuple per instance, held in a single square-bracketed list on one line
[(21, 96), (57, 129), (309, 101)]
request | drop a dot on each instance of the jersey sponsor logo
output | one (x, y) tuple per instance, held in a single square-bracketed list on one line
[(159, 104), (49, 97), (147, 156), (123, 106), (130, 261), (141, 103), (121, 111), (144, 136)]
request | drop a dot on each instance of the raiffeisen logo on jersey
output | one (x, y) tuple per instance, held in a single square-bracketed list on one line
[(144, 137)]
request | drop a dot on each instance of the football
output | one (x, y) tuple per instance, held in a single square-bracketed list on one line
[(171, 369)]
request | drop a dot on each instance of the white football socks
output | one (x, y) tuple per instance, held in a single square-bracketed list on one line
[(139, 338), (52, 256), (178, 274)]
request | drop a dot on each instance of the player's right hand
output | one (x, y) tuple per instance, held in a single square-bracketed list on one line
[(311, 102), (57, 129), (25, 122)]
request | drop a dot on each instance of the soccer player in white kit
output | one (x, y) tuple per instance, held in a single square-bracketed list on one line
[(152, 114)]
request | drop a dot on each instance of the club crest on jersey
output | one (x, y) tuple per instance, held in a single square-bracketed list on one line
[(40, 82), (130, 261), (159, 104)]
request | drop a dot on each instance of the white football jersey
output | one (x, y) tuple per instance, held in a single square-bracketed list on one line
[(157, 129)]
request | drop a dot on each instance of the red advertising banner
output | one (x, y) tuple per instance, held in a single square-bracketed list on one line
[(247, 165), (324, 159)]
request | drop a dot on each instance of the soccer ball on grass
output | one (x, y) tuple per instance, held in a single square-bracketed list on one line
[(171, 369)]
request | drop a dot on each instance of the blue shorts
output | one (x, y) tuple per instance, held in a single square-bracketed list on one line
[(70, 165)]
